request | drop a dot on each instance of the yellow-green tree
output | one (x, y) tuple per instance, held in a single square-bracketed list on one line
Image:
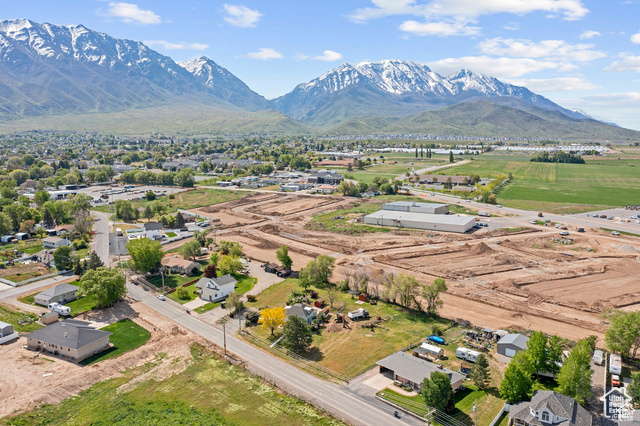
[(271, 318)]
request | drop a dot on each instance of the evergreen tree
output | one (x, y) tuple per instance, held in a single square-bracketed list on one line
[(574, 379), (437, 392), (297, 334), (47, 219), (480, 374), (77, 268), (451, 156), (537, 348), (516, 384), (179, 220)]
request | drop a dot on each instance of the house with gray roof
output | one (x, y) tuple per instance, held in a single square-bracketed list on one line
[(71, 338), (215, 289), (548, 408), (61, 293), (511, 344), (411, 370), (300, 310)]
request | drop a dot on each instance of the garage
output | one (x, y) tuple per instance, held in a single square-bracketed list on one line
[(511, 344)]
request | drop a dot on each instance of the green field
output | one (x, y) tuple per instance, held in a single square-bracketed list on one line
[(127, 335), (173, 280), (559, 188), (335, 350), (22, 322), (209, 392), (82, 305)]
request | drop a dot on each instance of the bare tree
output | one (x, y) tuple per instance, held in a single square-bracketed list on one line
[(332, 293), (361, 279)]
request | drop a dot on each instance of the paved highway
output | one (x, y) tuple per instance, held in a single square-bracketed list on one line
[(332, 397)]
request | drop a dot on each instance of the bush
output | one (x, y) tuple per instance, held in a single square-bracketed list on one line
[(251, 298), (252, 316), (247, 323), (436, 330), (172, 196), (183, 293), (79, 244)]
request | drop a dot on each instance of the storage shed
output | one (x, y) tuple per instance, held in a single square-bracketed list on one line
[(511, 344)]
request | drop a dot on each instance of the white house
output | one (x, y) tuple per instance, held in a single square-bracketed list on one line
[(61, 293), (215, 289), (55, 242), (153, 230)]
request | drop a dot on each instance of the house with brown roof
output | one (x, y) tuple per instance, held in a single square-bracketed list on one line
[(179, 265)]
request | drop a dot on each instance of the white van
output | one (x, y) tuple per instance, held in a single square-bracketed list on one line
[(598, 357), (60, 309), (615, 364)]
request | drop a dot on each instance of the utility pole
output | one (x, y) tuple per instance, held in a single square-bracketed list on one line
[(224, 334), (162, 275)]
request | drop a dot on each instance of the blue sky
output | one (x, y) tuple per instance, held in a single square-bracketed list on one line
[(580, 53)]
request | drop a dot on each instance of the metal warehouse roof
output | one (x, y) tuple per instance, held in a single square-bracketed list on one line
[(444, 219), (518, 340), (415, 204)]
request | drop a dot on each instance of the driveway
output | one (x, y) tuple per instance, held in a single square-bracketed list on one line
[(265, 280)]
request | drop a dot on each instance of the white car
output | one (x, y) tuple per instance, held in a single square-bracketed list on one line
[(563, 233), (615, 233), (161, 297), (533, 222)]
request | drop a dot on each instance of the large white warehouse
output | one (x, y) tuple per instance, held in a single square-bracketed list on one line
[(414, 207), (433, 222)]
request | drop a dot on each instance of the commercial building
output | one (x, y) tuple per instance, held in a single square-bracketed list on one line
[(433, 222), (414, 207)]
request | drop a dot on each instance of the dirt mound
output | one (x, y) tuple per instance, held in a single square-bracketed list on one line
[(335, 327), (627, 247), (482, 248)]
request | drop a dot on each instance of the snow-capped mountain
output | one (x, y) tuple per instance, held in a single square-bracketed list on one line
[(51, 69), (399, 88), (224, 84)]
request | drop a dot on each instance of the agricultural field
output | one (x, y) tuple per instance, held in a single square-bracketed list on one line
[(559, 188), (208, 391)]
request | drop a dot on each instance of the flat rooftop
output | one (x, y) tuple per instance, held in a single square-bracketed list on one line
[(445, 219), (415, 204)]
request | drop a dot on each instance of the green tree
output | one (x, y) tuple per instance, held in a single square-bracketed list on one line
[(431, 295), (623, 335), (104, 285), (235, 302), (516, 384), (150, 195), (437, 392), (229, 265), (537, 349), (554, 355), (297, 334), (47, 219), (62, 258), (211, 271), (94, 261), (179, 220), (148, 213), (40, 198), (146, 254), (183, 293), (231, 248), (190, 249), (451, 157), (633, 390), (480, 374), (282, 254), (574, 379), (317, 272)]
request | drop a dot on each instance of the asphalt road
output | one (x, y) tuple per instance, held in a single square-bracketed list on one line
[(334, 398)]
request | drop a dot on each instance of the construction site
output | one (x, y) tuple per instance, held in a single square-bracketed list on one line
[(518, 278)]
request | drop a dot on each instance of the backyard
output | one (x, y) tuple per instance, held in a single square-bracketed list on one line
[(21, 272), (22, 322), (127, 335), (332, 347)]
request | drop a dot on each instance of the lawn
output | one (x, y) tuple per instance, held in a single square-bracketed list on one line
[(335, 350), (209, 391), (172, 280), (171, 234), (488, 405), (191, 291), (127, 335), (22, 322), (559, 188), (206, 307), (31, 246), (20, 272), (81, 305)]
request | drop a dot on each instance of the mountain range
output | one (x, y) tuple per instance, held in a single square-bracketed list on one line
[(62, 72)]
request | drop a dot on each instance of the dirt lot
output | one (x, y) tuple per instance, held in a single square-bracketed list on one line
[(27, 381), (523, 278), (21, 272)]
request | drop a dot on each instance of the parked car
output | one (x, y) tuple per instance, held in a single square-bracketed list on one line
[(161, 297), (595, 215), (604, 216), (615, 233), (580, 229), (558, 226), (563, 233), (533, 222), (615, 380)]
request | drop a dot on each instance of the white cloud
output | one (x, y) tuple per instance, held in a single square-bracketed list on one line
[(439, 28), (176, 46), (589, 34), (265, 53), (626, 63), (132, 14), (241, 16), (498, 67), (468, 9), (328, 56), (635, 38), (511, 26), (549, 49), (561, 84)]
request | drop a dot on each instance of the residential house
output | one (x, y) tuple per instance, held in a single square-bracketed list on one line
[(511, 344), (71, 338), (215, 289), (153, 230), (44, 256), (179, 265), (411, 370), (28, 184), (301, 310), (60, 293), (53, 243), (62, 229), (549, 408)]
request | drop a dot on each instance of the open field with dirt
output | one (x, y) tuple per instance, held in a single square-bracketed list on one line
[(521, 278)]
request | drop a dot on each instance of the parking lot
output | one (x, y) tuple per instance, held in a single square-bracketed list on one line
[(118, 192)]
